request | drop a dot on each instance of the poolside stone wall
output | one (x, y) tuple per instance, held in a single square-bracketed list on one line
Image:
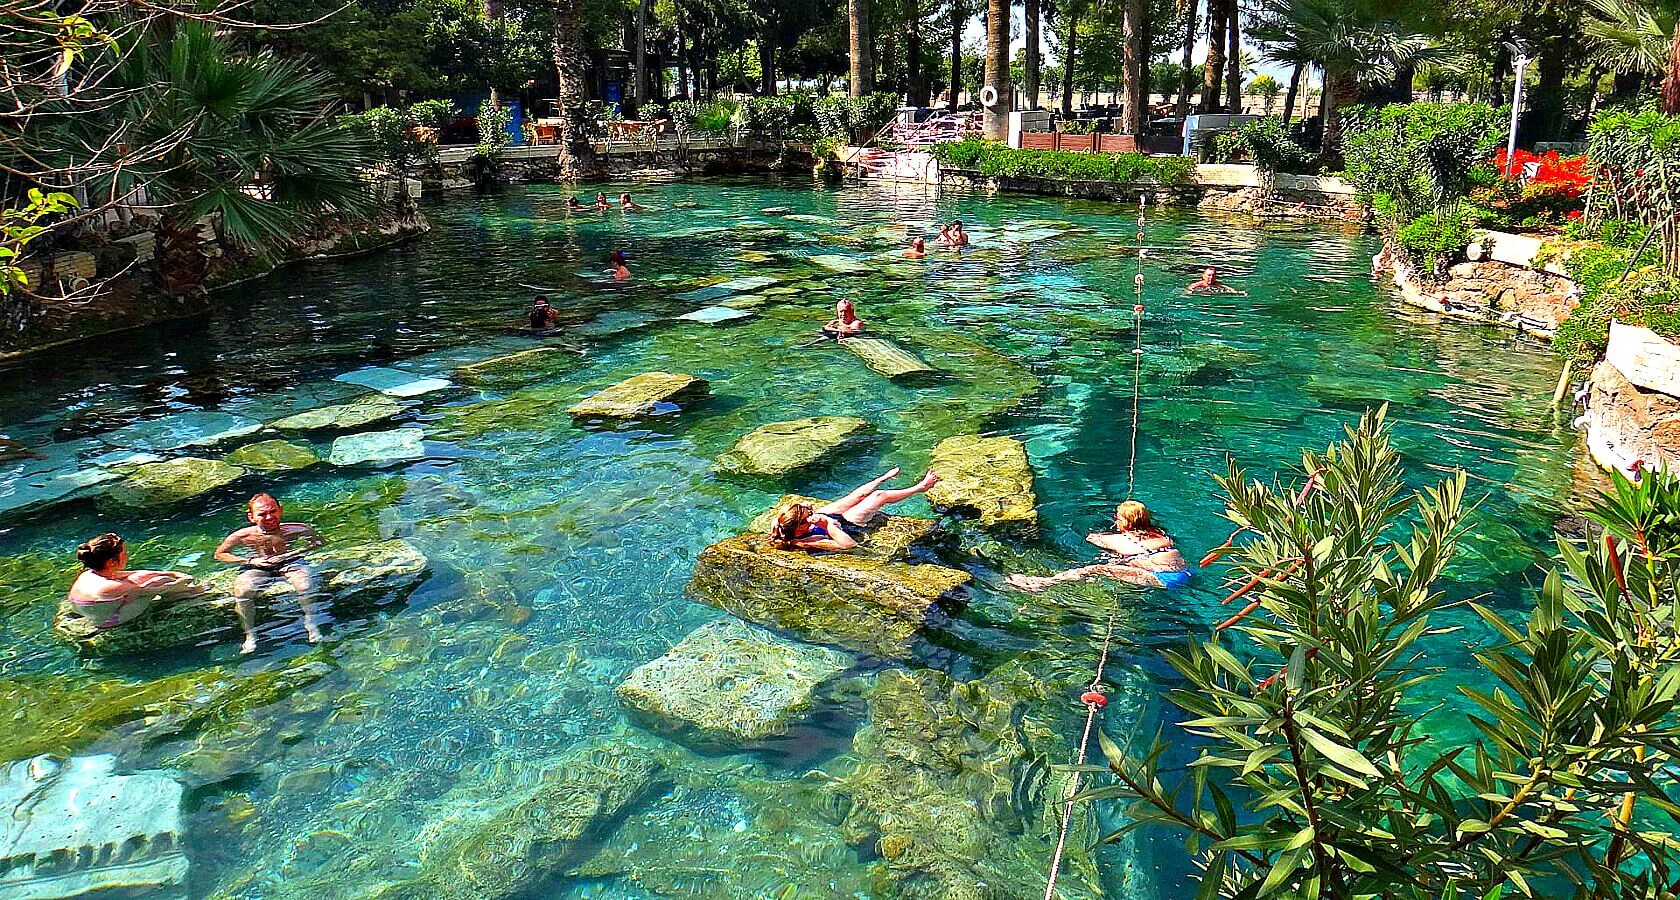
[(1499, 285), (1633, 402)]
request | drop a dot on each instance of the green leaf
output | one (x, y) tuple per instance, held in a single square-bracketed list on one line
[(1301, 839), (1346, 757)]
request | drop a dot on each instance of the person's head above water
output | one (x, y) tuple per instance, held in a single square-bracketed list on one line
[(541, 300), (1210, 275), (917, 244), (103, 553), (618, 258), (264, 512), (786, 528), (1132, 515), (845, 311)]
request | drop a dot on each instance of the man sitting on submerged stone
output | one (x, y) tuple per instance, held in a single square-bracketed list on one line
[(1137, 552), (271, 557), (845, 322), (1210, 284), (839, 525), (111, 595)]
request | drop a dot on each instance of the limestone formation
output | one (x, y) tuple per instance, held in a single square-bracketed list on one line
[(363, 574), (886, 357), (553, 826), (393, 382), (1646, 359), (729, 684), (172, 481), (1493, 291), (512, 364), (272, 456), (989, 478), (647, 394), (782, 448), (1625, 423), (344, 416), (378, 448), (189, 429), (74, 828)]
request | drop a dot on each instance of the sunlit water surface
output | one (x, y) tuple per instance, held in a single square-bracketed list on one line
[(559, 552)]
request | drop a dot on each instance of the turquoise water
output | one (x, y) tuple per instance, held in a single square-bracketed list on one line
[(558, 552)]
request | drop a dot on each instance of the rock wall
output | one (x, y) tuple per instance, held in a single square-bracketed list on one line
[(1630, 417), (1499, 293)]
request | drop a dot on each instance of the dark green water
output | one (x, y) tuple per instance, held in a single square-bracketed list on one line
[(559, 553)]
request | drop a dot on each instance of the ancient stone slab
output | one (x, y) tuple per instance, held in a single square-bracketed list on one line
[(170, 481), (886, 357), (38, 489), (355, 414), (781, 448), (71, 828), (1625, 424), (1645, 358), (845, 265), (505, 365), (378, 448), (989, 478), (393, 382), (713, 315), (345, 576), (272, 456), (646, 394), (729, 684), (188, 429)]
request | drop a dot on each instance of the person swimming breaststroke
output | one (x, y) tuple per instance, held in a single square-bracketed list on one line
[(1209, 283), (110, 595), (845, 322), (574, 203), (542, 315), (1136, 551), (624, 202), (620, 270), (274, 552), (841, 525)]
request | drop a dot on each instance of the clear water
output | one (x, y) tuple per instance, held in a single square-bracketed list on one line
[(560, 553)]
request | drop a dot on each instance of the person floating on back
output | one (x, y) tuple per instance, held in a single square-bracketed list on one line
[(918, 249), (1210, 284), (845, 322), (542, 315), (624, 202), (1136, 552), (274, 552), (619, 270), (109, 594), (841, 524)]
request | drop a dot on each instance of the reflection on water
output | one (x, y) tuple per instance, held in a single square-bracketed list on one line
[(414, 737)]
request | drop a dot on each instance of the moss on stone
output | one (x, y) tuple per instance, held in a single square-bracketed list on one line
[(641, 395), (989, 478), (272, 456), (782, 448), (169, 482), (355, 414)]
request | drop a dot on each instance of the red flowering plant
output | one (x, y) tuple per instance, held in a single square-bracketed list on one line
[(1549, 196)]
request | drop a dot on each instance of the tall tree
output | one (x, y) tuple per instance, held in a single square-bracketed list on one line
[(863, 51), (573, 92), (1671, 80), (1031, 64), (1289, 95), (1214, 76), (642, 92), (1637, 39), (995, 121), (1134, 61), (1188, 73), (1071, 13), (959, 15), (917, 90), (1233, 58)]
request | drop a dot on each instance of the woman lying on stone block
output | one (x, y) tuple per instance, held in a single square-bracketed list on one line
[(110, 594), (840, 525)]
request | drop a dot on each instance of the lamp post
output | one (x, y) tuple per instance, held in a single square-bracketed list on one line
[(1519, 53)]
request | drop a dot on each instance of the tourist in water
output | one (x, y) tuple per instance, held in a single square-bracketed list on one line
[(845, 322), (619, 271), (574, 204), (1137, 552), (1210, 284), (601, 204), (274, 552), (542, 315), (953, 235), (918, 249), (624, 202), (839, 525), (110, 595)]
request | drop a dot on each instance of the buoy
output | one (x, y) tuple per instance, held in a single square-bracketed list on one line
[(1093, 698), (988, 96)]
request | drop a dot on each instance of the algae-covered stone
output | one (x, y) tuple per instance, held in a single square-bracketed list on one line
[(358, 574), (513, 364), (781, 448), (355, 414), (378, 448), (851, 600), (554, 826), (171, 481), (987, 477), (198, 428), (886, 357), (642, 395), (728, 684), (272, 456)]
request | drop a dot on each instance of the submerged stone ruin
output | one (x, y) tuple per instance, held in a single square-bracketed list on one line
[(642, 395), (782, 448), (886, 357), (989, 478)]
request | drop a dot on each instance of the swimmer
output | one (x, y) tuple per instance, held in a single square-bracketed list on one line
[(953, 235), (601, 204), (839, 525), (542, 315), (619, 271), (1137, 552), (271, 557), (110, 595), (944, 239), (573, 203), (624, 202), (918, 249), (1210, 284), (845, 322)]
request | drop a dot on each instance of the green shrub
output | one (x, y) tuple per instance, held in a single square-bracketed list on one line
[(1648, 297), (1420, 154), (715, 117), (1268, 144), (1436, 240), (995, 159)]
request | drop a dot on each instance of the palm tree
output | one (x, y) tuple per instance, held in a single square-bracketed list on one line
[(1214, 75), (1032, 64), (959, 14), (1639, 37), (1133, 60), (243, 140), (1187, 73), (863, 51), (995, 121), (569, 70)]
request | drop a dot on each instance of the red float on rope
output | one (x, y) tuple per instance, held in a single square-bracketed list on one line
[(1093, 698)]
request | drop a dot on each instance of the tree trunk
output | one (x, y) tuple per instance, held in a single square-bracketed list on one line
[(1548, 97), (1031, 61), (995, 121), (1233, 59), (767, 65), (957, 17), (570, 73), (1067, 63), (643, 90), (1289, 96), (1214, 77), (863, 51), (1340, 89), (682, 61), (492, 10), (1671, 80), (1186, 78), (182, 264), (1132, 63), (918, 90), (1496, 79)]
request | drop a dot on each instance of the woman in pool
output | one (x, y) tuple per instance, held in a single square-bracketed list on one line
[(601, 204), (110, 594), (839, 525), (619, 271), (953, 235), (1137, 552)]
